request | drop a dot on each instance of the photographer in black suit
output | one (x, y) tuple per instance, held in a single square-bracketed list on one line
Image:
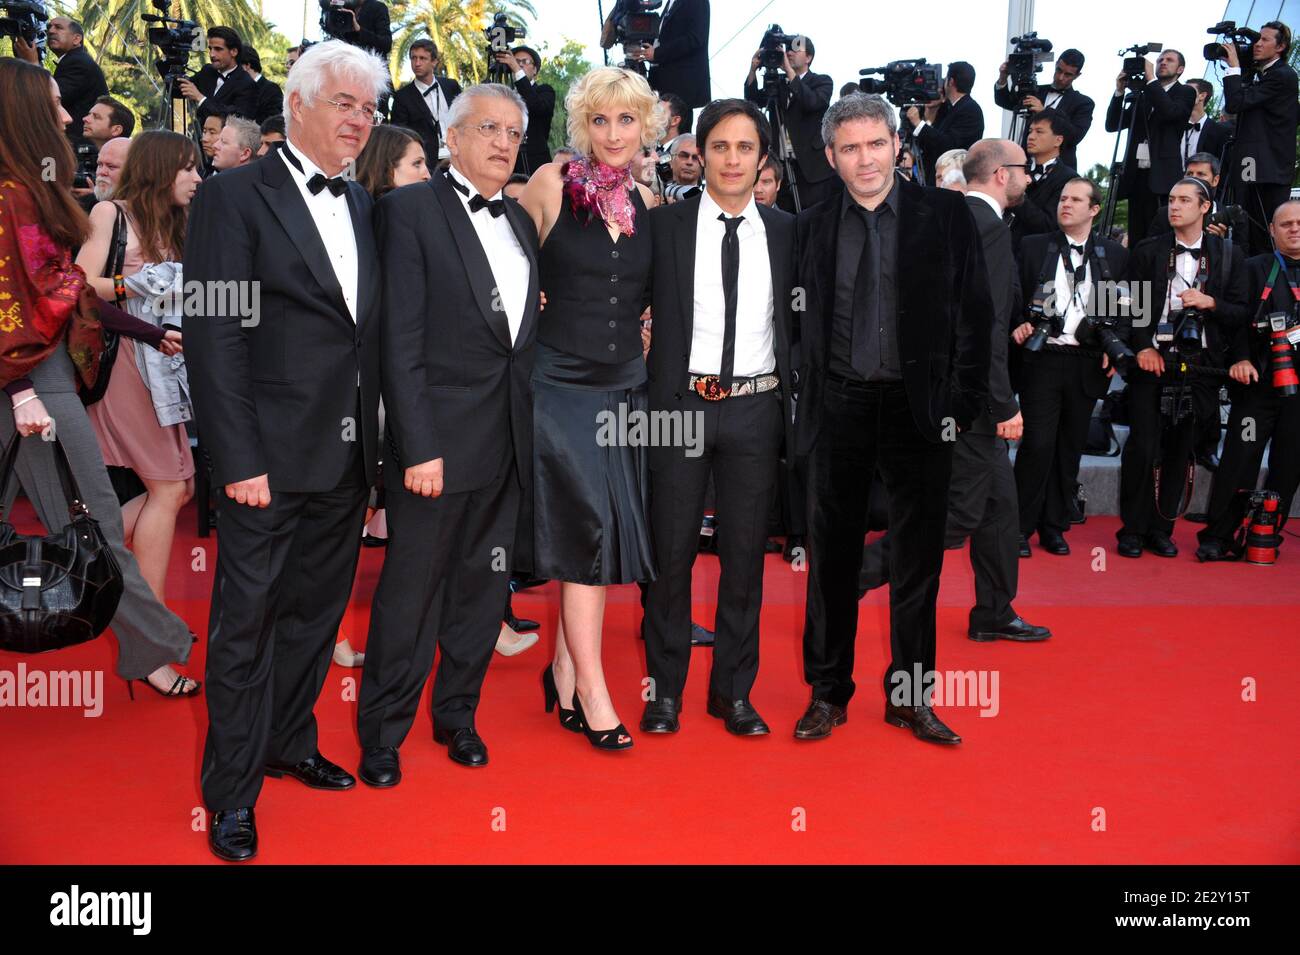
[(954, 122), (1152, 158), (270, 101), (524, 63), (1075, 108), (1263, 163), (806, 97), (1048, 175), (370, 28), (424, 103), (222, 88), (1203, 135), (895, 354), (78, 76), (679, 59)]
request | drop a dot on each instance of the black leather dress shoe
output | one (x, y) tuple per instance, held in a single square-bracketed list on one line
[(1019, 630), (520, 624), (661, 715), (1053, 543), (1130, 545), (1209, 461), (314, 771), (922, 722), (463, 745), (380, 767), (1212, 550), (700, 636), (1161, 545), (741, 718), (233, 835), (1023, 544), (819, 719)]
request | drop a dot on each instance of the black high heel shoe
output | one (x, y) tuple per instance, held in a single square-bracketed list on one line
[(175, 691), (602, 739), (569, 719)]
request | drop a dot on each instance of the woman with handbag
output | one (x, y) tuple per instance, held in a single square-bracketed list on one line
[(50, 343), (133, 256)]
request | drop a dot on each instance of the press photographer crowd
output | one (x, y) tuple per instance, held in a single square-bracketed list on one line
[(857, 311)]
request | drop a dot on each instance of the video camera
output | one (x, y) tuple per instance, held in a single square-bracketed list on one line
[(334, 19), (501, 35), (906, 82), (25, 20), (636, 24), (1135, 67), (773, 46), (176, 40), (1242, 38), (1025, 62)]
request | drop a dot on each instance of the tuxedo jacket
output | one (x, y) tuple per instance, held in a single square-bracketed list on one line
[(957, 126), (376, 31), (1161, 122), (681, 63), (410, 110), (80, 82), (278, 394), (1265, 112), (455, 387), (1074, 107), (1037, 214), (1251, 345), (1214, 136), (237, 96), (270, 100), (540, 100), (673, 301), (807, 99), (945, 309), (1004, 287), (1035, 268), (1149, 263)]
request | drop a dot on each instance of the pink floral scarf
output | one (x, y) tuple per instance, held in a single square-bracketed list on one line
[(602, 191)]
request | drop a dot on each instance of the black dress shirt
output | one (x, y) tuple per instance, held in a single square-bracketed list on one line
[(873, 315)]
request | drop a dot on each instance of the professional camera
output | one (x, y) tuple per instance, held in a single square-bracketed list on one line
[(906, 82), (1046, 324), (25, 20), (1025, 62), (677, 191), (1283, 331), (176, 40), (1102, 330), (1234, 217), (1135, 66), (771, 49), (1182, 330), (334, 19), (1228, 32), (636, 24), (501, 35), (87, 162)]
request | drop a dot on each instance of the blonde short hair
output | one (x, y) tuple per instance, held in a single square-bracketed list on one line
[(952, 159), (613, 86)]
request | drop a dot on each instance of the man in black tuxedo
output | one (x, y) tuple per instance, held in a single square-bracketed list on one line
[(461, 297), (222, 88), (269, 99), (1059, 386), (1048, 175), (805, 98), (287, 401), (895, 349), (423, 103), (370, 28), (79, 78), (723, 277), (539, 98), (954, 122), (1260, 414), (679, 59), (1186, 270), (1263, 163), (1203, 134), (1075, 108), (1156, 117)]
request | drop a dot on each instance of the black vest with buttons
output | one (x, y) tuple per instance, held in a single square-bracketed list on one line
[(595, 287)]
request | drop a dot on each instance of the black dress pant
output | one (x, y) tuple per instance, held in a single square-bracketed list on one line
[(1275, 420), (1205, 395), (283, 578), (1151, 440), (740, 447), (1057, 410), (865, 426), (982, 506), (446, 575)]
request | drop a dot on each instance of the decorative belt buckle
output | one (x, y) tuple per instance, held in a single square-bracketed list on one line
[(709, 387)]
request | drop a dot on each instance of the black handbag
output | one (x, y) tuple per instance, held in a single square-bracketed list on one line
[(60, 590), (116, 257)]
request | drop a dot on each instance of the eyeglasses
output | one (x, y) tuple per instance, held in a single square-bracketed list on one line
[(1027, 166), (490, 130), (365, 111)]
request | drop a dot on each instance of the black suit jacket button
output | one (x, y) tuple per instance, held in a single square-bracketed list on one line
[(612, 324), (613, 300), (613, 347), (614, 254)]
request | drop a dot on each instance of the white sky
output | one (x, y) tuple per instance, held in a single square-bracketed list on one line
[(848, 37)]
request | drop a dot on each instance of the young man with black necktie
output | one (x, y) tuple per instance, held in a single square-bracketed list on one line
[(720, 356)]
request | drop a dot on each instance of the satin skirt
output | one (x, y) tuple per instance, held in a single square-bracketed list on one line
[(590, 484)]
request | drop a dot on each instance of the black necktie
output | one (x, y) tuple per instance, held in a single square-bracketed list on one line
[(866, 299), (1196, 251), (337, 186), (730, 294), (496, 207)]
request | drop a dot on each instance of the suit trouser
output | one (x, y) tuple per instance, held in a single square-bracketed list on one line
[(865, 426), (1266, 419), (1205, 395), (284, 575), (741, 442), (446, 575), (982, 505), (1152, 440), (1057, 410)]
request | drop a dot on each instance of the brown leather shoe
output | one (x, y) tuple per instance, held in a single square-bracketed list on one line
[(921, 721), (819, 719)]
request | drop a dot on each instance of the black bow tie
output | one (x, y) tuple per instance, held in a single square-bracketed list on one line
[(1038, 173), (1076, 248), (337, 185), (1191, 126), (1184, 250), (497, 207)]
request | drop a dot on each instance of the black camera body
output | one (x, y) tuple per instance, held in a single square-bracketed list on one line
[(25, 20), (501, 36), (1135, 67), (1234, 217), (87, 156), (1242, 38), (334, 19), (1181, 330), (636, 24), (772, 48), (177, 41), (1025, 62), (1104, 331), (906, 82), (1047, 324)]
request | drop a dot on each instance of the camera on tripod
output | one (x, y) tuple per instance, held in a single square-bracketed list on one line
[(772, 48), (176, 40), (1025, 62), (636, 24), (1135, 66), (501, 34), (1242, 38), (25, 20), (906, 82)]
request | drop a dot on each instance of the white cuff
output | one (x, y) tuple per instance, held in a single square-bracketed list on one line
[(1232, 71), (519, 75)]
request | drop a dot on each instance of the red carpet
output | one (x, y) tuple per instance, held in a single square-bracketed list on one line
[(1134, 708)]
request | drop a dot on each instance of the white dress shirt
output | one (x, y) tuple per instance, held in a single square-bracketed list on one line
[(1192, 138), (754, 354), (1185, 268), (221, 80), (993, 203), (333, 221), (505, 256), (434, 101), (1071, 307)]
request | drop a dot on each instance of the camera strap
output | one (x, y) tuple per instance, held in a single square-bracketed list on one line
[(1270, 286)]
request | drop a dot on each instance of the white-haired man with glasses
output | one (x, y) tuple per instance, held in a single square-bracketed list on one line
[(286, 395)]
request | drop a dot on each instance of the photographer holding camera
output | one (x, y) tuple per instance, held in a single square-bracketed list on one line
[(805, 97), (1152, 158), (1264, 158), (687, 169), (954, 122), (222, 88), (1260, 390), (679, 58), (79, 78), (523, 63), (1198, 298), (1075, 108), (1203, 134), (362, 23)]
